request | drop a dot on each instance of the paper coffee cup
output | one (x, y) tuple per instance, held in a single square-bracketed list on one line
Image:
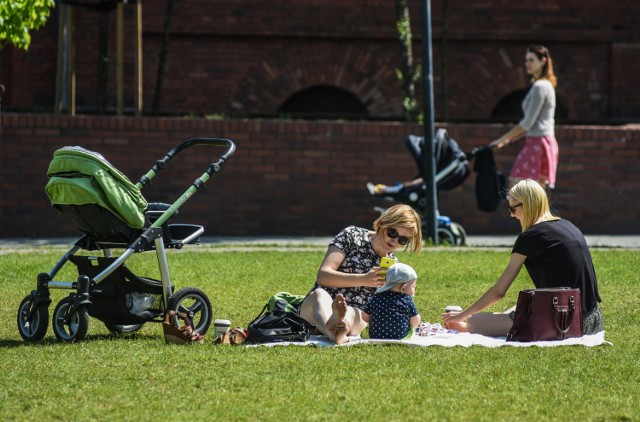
[(221, 326)]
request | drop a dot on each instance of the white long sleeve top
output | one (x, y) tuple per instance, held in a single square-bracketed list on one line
[(539, 106)]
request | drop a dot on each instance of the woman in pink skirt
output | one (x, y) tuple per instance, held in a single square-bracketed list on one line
[(538, 159)]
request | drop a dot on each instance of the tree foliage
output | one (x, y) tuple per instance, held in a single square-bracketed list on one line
[(18, 17), (407, 73)]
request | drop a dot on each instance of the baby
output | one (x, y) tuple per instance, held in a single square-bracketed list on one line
[(391, 313)]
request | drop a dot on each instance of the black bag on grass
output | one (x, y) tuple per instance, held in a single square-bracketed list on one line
[(490, 183), (279, 322)]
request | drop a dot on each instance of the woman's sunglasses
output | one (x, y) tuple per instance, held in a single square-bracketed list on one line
[(512, 209), (393, 233)]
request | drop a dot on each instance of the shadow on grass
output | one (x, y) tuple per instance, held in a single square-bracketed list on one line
[(49, 341)]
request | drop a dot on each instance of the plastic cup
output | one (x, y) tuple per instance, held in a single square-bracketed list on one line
[(221, 326)]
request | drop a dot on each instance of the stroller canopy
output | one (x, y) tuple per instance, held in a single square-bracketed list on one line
[(452, 166), (78, 177)]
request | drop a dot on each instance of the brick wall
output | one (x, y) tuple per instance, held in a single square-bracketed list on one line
[(303, 178), (247, 58), (625, 93)]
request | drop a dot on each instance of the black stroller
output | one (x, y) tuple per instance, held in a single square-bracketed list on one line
[(112, 214), (452, 169)]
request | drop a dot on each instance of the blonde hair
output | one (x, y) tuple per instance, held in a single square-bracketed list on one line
[(402, 216), (534, 200)]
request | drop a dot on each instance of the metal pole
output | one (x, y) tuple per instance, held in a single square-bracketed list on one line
[(1, 92), (429, 159), (138, 63)]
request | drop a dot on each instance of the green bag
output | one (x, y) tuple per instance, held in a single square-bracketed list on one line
[(284, 302)]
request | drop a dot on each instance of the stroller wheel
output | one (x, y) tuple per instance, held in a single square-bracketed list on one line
[(461, 234), (69, 325), (446, 237), (35, 327), (123, 329), (195, 303)]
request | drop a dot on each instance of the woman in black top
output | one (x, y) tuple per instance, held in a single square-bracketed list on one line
[(555, 253)]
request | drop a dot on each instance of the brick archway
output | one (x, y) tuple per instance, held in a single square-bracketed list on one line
[(484, 79), (269, 84)]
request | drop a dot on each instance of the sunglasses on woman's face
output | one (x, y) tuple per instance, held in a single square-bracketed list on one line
[(393, 233), (512, 209)]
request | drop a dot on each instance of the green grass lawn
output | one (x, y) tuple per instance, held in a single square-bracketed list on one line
[(138, 377)]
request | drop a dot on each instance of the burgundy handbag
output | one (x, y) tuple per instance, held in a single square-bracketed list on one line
[(547, 314)]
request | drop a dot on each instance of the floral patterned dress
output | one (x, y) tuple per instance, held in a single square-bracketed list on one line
[(360, 257), (537, 160)]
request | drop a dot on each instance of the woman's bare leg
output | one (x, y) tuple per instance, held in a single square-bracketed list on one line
[(337, 322), (345, 320), (358, 323), (333, 318), (492, 325), (316, 309)]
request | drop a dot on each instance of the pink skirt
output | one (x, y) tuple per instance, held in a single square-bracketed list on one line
[(538, 160)]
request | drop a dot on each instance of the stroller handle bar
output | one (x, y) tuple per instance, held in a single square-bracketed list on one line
[(199, 183), (218, 142), (213, 167), (476, 150)]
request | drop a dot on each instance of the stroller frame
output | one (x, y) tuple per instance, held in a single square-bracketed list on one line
[(449, 232), (97, 275)]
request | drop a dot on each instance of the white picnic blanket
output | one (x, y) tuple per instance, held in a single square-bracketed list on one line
[(450, 340)]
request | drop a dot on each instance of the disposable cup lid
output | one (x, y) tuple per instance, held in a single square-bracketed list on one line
[(221, 322)]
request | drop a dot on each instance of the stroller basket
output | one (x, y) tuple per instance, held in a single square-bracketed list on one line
[(122, 297)]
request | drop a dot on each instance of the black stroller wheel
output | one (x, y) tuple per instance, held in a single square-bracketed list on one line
[(196, 304), (69, 325), (35, 327), (123, 329)]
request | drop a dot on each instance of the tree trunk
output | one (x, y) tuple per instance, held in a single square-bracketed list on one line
[(157, 94), (406, 73)]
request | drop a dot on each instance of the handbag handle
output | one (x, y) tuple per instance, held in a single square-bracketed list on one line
[(262, 312), (566, 314)]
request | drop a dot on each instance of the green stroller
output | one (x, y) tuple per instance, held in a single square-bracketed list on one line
[(113, 216)]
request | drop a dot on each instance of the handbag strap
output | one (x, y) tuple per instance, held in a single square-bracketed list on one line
[(566, 315), (262, 312)]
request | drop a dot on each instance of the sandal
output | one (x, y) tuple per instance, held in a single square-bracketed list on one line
[(174, 334), (235, 336)]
